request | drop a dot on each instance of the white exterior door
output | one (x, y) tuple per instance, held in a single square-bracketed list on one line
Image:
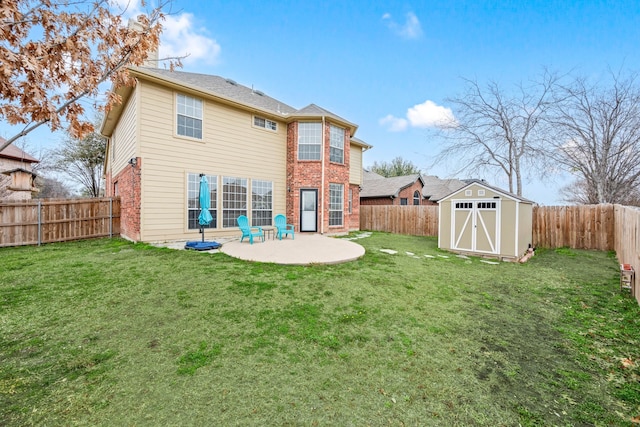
[(308, 210), (476, 225)]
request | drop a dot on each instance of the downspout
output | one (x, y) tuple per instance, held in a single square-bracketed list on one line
[(322, 182)]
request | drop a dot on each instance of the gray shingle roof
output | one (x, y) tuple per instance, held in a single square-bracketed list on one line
[(385, 187), (435, 188), (227, 88), (13, 152), (312, 110)]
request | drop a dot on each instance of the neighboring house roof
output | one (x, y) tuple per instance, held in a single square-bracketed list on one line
[(13, 152), (386, 187), (435, 188), (371, 175), (224, 90)]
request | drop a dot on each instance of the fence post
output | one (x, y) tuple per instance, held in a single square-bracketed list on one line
[(110, 217), (39, 222)]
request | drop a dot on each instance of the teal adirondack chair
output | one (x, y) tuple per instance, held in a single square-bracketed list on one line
[(247, 230), (282, 226)]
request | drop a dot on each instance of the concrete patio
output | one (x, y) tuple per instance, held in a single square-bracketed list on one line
[(305, 249)]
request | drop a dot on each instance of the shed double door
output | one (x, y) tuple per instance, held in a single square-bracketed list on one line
[(476, 226)]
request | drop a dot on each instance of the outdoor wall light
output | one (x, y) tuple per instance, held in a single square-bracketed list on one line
[(133, 161)]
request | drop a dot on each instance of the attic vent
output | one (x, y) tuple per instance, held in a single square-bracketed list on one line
[(231, 82), (258, 92)]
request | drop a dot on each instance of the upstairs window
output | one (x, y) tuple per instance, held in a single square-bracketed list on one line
[(336, 144), (309, 141), (189, 117), (261, 122)]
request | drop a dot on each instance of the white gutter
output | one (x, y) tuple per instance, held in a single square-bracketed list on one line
[(322, 183)]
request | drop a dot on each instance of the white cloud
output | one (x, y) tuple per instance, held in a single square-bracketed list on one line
[(429, 114), (394, 124), (179, 38), (425, 115), (411, 29)]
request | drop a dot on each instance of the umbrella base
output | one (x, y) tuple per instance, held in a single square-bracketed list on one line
[(202, 246)]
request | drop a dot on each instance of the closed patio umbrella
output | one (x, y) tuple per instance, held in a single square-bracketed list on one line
[(205, 217)]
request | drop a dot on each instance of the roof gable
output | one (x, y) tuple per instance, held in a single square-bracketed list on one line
[(387, 187), (486, 186)]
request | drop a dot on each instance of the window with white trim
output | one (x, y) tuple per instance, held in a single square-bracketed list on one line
[(486, 205), (193, 200), (234, 200), (336, 203), (336, 144), (464, 205), (416, 198), (350, 200), (189, 116), (309, 140), (261, 122), (261, 202)]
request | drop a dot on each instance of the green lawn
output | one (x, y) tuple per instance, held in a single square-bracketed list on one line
[(110, 333)]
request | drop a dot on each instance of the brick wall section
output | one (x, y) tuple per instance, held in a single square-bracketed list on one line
[(307, 174), (129, 190), (377, 201), (354, 217), (406, 193)]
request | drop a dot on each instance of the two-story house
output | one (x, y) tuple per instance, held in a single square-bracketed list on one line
[(261, 156)]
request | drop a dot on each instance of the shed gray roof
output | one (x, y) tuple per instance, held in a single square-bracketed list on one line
[(221, 86), (435, 188), (385, 187), (483, 183)]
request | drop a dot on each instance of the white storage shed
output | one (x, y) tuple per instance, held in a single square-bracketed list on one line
[(479, 219)]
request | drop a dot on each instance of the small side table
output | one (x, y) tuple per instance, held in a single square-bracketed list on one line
[(269, 232), (627, 278)]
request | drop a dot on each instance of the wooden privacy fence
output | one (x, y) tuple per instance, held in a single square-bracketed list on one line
[(627, 240), (412, 220), (578, 227), (32, 222)]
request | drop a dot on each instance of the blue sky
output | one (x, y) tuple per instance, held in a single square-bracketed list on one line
[(390, 66)]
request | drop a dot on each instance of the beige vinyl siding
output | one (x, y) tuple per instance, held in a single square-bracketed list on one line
[(124, 135), (355, 165), (231, 146)]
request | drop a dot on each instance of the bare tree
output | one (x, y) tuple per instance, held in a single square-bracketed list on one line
[(597, 136), (54, 53), (396, 167), (82, 160), (52, 188), (495, 130)]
